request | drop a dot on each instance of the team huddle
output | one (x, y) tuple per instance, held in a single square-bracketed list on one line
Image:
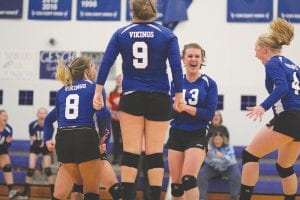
[(150, 105)]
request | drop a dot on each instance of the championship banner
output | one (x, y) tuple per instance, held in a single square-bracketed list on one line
[(11, 9), (17, 65), (249, 10), (49, 60), (50, 9), (106, 10), (289, 10)]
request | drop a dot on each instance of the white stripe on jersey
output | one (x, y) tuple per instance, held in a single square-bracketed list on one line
[(153, 26), (129, 27)]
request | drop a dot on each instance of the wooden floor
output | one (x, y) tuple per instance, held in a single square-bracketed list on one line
[(39, 192)]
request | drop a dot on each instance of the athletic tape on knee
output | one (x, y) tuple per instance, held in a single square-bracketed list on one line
[(248, 157), (7, 168), (30, 172), (130, 159), (189, 182), (77, 188), (177, 190), (284, 172), (154, 161), (48, 171)]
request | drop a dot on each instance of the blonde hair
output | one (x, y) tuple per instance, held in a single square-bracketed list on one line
[(74, 72), (144, 9), (281, 33)]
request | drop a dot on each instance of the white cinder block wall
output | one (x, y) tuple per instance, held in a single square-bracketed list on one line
[(230, 59)]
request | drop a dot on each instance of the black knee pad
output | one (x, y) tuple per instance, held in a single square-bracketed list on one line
[(7, 168), (115, 191), (154, 161), (189, 182), (77, 188), (91, 196), (177, 190), (248, 157), (284, 172), (54, 198), (30, 172), (48, 171), (130, 159)]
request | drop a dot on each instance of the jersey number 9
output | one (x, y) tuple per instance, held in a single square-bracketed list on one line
[(140, 54)]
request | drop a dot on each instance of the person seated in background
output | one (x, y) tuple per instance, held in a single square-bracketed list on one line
[(220, 162), (217, 126)]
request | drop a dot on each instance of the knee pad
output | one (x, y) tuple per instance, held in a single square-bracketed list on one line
[(30, 172), (115, 191), (189, 182), (7, 168), (177, 190), (91, 196), (53, 198), (248, 157), (77, 188), (130, 159), (284, 172), (48, 171), (154, 161)]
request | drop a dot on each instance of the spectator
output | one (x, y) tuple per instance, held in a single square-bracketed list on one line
[(217, 126), (219, 162), (113, 104)]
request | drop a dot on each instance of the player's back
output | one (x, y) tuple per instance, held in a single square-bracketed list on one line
[(144, 48), (74, 104)]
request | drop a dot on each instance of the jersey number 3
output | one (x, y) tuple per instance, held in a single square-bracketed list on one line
[(140, 54), (71, 110)]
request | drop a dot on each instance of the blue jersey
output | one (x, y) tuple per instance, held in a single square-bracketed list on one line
[(74, 105), (283, 85), (7, 131), (36, 130), (144, 48), (202, 94), (48, 125)]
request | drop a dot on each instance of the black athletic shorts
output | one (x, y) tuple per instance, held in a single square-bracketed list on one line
[(180, 140), (3, 151), (39, 150), (287, 123), (155, 106), (77, 145)]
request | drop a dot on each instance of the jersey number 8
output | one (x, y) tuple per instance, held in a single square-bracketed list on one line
[(71, 110)]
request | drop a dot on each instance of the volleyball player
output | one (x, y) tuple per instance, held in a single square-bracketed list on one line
[(77, 140), (6, 133), (37, 147), (282, 84), (187, 141), (145, 106)]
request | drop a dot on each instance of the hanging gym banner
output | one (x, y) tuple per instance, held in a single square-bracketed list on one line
[(11, 9), (289, 10), (107, 10), (49, 60), (50, 9), (249, 10)]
